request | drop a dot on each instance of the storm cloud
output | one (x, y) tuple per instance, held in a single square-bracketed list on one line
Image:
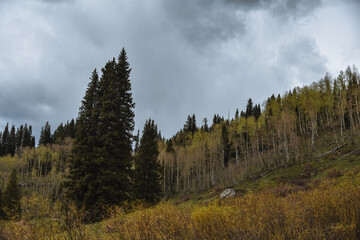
[(201, 57)]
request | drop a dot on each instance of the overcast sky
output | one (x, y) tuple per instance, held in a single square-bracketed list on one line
[(187, 56)]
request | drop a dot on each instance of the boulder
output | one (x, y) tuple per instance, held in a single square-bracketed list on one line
[(228, 193)]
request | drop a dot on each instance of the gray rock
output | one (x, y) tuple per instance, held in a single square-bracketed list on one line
[(228, 193)]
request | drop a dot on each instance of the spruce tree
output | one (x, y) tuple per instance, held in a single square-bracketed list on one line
[(188, 124), (237, 114), (45, 135), (257, 111), (12, 141), (249, 108), (147, 167), (6, 140), (137, 141), (72, 129), (193, 124), (12, 196), (26, 136), (100, 170), (114, 133), (59, 134), (19, 136), (32, 142), (83, 182), (205, 126)]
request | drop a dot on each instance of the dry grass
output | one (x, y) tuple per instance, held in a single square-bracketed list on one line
[(329, 209)]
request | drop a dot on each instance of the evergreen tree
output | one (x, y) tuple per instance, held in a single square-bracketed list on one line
[(237, 114), (26, 136), (115, 132), (12, 141), (242, 114), (188, 124), (83, 182), (147, 167), (137, 141), (205, 126), (217, 119), (72, 128), (100, 170), (249, 108), (32, 142), (12, 196), (6, 140), (45, 135), (59, 134), (19, 136), (257, 111)]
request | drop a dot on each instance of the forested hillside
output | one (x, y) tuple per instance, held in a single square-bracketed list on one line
[(95, 168), (292, 128)]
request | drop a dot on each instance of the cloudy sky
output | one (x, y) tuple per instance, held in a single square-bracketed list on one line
[(187, 56)]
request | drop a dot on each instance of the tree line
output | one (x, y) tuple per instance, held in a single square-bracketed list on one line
[(12, 140), (63, 131)]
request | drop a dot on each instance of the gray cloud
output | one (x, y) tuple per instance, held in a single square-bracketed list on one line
[(303, 61), (201, 57), (203, 22), (294, 8), (247, 4)]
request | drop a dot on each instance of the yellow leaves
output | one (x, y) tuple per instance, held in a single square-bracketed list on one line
[(329, 210), (163, 221), (326, 210), (35, 206), (212, 222)]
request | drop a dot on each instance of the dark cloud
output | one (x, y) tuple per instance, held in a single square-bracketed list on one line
[(280, 8), (247, 4), (294, 8), (201, 57), (204, 22)]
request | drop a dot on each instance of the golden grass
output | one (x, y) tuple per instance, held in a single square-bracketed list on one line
[(329, 209)]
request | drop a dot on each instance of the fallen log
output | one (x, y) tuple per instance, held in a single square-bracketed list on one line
[(331, 151)]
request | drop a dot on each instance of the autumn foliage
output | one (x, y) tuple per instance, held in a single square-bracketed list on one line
[(327, 209)]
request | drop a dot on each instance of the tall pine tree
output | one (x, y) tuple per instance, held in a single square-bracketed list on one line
[(102, 153), (83, 182), (116, 124), (6, 140), (147, 167), (45, 135)]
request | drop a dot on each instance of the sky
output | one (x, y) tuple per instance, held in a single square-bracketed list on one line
[(188, 56)]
